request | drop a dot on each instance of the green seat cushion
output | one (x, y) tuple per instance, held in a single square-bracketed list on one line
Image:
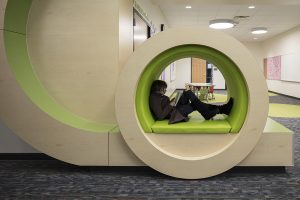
[(275, 127), (196, 124)]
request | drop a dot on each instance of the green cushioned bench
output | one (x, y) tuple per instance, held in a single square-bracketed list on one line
[(196, 124), (274, 127)]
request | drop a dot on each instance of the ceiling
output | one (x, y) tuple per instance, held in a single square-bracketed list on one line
[(277, 15)]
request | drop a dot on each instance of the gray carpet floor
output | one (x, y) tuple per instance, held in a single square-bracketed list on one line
[(52, 179)]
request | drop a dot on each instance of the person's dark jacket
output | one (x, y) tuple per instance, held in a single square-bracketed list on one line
[(162, 109)]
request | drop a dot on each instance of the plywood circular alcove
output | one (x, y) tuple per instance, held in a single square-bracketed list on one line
[(192, 155)]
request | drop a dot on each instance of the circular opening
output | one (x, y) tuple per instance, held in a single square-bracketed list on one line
[(195, 157), (236, 84), (199, 76)]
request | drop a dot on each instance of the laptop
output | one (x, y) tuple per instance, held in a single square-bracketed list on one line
[(175, 96)]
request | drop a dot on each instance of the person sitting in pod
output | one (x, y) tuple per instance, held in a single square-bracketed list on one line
[(163, 108)]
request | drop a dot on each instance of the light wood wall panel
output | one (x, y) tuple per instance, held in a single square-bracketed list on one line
[(198, 70), (119, 152), (75, 48), (43, 132)]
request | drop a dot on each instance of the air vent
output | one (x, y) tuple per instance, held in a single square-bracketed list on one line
[(240, 17)]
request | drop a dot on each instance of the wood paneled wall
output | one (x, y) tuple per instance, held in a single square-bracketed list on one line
[(198, 70)]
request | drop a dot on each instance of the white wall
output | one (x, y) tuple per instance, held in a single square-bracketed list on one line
[(182, 75), (171, 83), (283, 44), (140, 31), (154, 13), (184, 72), (218, 79)]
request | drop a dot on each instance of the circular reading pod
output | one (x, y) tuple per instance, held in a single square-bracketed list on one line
[(192, 154)]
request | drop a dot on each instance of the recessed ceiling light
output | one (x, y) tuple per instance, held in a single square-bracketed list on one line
[(251, 7), (259, 30), (255, 38), (221, 23), (188, 7)]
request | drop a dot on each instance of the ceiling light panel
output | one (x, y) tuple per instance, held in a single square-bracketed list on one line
[(221, 23), (259, 30)]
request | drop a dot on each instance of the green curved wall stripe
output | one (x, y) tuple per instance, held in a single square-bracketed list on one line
[(16, 49), (233, 77), (16, 14)]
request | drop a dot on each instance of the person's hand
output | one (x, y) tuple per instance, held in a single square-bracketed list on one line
[(172, 103)]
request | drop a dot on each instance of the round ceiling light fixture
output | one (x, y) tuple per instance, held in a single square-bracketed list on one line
[(221, 23), (259, 30)]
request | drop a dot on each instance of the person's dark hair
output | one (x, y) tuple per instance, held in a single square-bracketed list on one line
[(157, 85)]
